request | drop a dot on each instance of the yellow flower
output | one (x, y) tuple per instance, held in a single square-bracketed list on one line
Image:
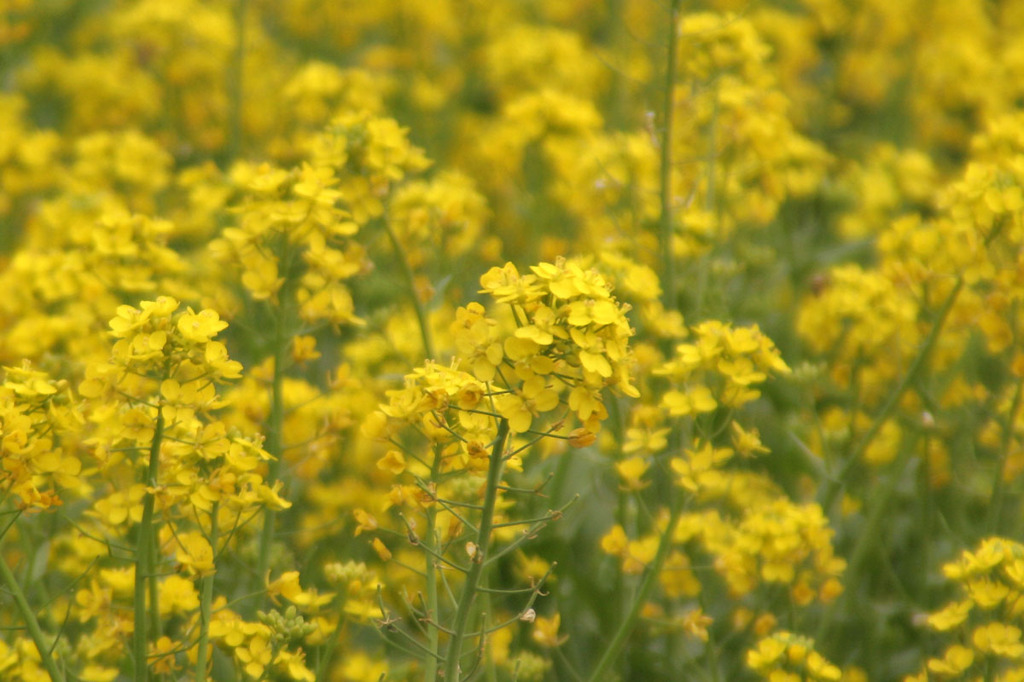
[(162, 653), (545, 632), (781, 650), (381, 549), (645, 439), (821, 669), (747, 443), (631, 470), (393, 462), (216, 356), (769, 651), (99, 673), (614, 541), (955, 661), (365, 521), (288, 587), (117, 507), (260, 275), (639, 554), (695, 400), (677, 577), (196, 554), (987, 593), (314, 184), (255, 656), (476, 339), (584, 402), (506, 285), (200, 327), (696, 623), (294, 665), (544, 328), (359, 667), (998, 638), (29, 383), (516, 410), (177, 596)]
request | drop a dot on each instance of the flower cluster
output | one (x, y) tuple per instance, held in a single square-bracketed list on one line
[(718, 369), (983, 623), (296, 226), (186, 483), (563, 338), (39, 423), (778, 543), (787, 657)]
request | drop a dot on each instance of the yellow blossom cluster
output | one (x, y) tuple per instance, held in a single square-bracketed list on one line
[(779, 543), (176, 477), (755, 537), (983, 623), (718, 369), (39, 427), (787, 657), (564, 339)]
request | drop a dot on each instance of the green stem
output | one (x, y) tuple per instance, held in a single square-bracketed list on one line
[(31, 623), (998, 488), (274, 447), (326, 654), (235, 92), (712, 154), (497, 462), (614, 648), (836, 485), (917, 364), (410, 282), (145, 555), (704, 273), (928, 513), (668, 106), (155, 622), (433, 603), (868, 538), (616, 36), (206, 604), (490, 668), (275, 428)]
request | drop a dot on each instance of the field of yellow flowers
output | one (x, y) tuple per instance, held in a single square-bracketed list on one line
[(511, 340)]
